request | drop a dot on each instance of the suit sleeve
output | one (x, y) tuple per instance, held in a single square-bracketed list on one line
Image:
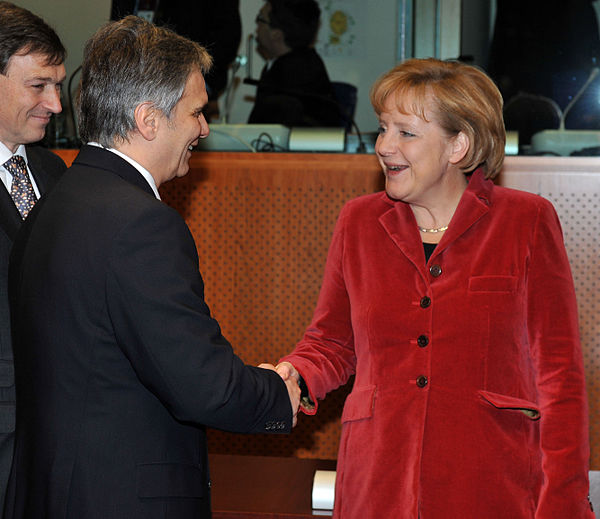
[(164, 327), (554, 339), (325, 356)]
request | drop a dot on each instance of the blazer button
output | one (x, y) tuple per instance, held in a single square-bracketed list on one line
[(421, 381), (425, 302), (423, 340), (435, 270)]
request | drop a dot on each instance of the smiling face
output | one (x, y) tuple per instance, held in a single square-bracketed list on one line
[(30, 91), (179, 134), (417, 156)]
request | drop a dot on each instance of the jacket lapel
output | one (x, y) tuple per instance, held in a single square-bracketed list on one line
[(474, 204), (41, 177), (400, 225), (10, 219)]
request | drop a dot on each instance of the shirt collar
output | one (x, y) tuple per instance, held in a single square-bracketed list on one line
[(143, 171), (6, 154)]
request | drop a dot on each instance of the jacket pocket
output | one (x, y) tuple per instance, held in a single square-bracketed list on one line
[(359, 404), (170, 480), (502, 284), (511, 403)]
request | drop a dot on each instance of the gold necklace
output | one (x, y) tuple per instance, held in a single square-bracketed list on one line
[(439, 229)]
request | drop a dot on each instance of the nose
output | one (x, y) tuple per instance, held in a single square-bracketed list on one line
[(204, 130), (52, 100), (384, 144)]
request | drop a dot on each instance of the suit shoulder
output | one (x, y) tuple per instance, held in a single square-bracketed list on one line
[(521, 200)]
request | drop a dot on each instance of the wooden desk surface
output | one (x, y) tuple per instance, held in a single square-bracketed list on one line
[(256, 487)]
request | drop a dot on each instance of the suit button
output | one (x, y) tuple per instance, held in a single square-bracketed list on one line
[(423, 340), (421, 381), (425, 302), (435, 270)]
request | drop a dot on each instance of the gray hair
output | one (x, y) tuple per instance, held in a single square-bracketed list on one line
[(129, 62)]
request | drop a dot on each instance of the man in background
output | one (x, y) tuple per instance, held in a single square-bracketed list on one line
[(31, 74), (294, 88), (119, 364)]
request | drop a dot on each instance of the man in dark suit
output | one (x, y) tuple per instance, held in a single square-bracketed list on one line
[(294, 88), (31, 71), (119, 364)]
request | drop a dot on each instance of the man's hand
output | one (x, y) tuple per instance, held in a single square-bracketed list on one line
[(292, 387)]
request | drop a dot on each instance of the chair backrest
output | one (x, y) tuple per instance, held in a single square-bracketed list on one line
[(528, 114), (346, 96)]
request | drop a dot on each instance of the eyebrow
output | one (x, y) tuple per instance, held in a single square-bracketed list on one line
[(45, 79)]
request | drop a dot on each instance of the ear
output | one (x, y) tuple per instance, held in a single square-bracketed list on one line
[(147, 120), (460, 146)]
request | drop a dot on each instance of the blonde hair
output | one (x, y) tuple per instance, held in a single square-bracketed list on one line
[(465, 100)]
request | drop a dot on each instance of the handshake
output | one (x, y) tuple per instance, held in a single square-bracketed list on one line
[(291, 378)]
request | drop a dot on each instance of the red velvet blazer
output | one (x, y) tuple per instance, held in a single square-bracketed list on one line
[(469, 397)]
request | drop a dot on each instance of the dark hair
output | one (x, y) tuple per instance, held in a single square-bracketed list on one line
[(22, 32), (465, 100), (297, 19), (129, 62)]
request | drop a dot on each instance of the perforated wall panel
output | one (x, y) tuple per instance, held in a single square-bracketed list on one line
[(573, 186)]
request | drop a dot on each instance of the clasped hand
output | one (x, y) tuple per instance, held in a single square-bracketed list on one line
[(291, 377)]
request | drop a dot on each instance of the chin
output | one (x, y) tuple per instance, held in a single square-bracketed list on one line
[(183, 171), (35, 136), (396, 194)]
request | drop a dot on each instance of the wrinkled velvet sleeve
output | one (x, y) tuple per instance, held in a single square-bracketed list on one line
[(325, 356), (554, 340)]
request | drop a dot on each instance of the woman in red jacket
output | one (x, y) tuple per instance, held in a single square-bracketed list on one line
[(451, 301)]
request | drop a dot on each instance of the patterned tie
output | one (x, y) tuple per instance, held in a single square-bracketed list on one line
[(21, 189)]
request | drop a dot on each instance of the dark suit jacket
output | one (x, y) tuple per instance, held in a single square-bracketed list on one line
[(45, 167), (119, 365), (296, 91)]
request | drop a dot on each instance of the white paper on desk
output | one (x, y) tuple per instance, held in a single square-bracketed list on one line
[(323, 492)]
